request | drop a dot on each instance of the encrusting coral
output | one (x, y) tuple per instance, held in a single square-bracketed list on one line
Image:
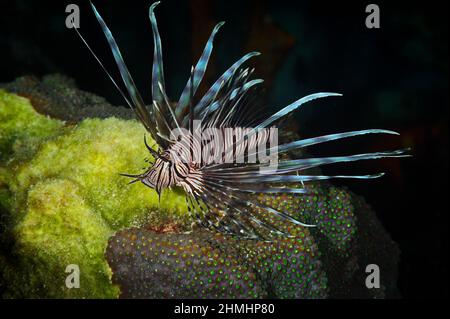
[(328, 261), (208, 265), (62, 201)]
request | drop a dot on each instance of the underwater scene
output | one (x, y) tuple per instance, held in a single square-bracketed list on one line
[(209, 149)]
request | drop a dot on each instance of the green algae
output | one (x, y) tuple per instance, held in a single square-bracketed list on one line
[(61, 198)]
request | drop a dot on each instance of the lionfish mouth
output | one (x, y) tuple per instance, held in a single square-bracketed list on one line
[(221, 196)]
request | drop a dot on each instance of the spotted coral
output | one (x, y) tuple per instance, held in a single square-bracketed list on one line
[(326, 261), (206, 265)]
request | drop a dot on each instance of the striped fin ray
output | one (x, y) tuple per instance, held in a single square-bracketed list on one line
[(157, 69), (331, 137), (209, 210), (249, 204), (166, 120), (212, 92), (279, 213), (214, 106), (249, 207), (140, 109), (284, 111), (232, 114), (251, 111), (197, 76), (245, 87), (325, 138), (239, 205), (276, 190), (162, 122), (224, 109), (257, 189), (227, 101), (322, 139), (299, 178), (227, 221), (301, 164), (294, 106), (221, 97)]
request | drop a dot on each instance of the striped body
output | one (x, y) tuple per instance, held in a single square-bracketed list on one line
[(179, 165)]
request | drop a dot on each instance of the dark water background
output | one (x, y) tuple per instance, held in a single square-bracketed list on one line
[(395, 77)]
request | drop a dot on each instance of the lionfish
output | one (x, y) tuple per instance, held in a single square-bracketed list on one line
[(220, 194)]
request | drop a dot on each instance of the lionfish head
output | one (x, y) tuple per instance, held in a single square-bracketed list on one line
[(157, 175)]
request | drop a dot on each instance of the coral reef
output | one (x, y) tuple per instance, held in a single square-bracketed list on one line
[(327, 262), (62, 202), (205, 265)]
